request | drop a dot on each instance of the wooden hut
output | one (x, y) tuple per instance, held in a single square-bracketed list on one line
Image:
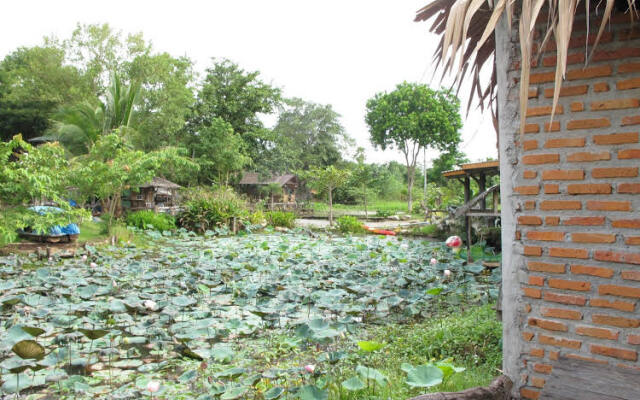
[(259, 188), (475, 204), (159, 195)]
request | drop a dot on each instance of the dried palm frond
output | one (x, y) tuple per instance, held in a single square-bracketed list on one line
[(467, 30)]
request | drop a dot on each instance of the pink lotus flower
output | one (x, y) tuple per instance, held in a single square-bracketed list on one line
[(453, 241), (93, 265), (310, 368), (84, 257), (447, 273), (433, 261), (153, 386)]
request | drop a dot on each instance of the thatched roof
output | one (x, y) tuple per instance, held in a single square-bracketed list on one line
[(253, 178), (160, 183), (467, 35)]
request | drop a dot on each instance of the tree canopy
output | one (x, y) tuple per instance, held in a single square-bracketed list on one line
[(411, 118), (311, 134), (238, 97)]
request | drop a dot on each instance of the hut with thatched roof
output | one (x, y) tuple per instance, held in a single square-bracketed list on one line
[(159, 195), (278, 189)]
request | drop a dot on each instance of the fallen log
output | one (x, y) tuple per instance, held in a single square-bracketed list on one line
[(499, 389)]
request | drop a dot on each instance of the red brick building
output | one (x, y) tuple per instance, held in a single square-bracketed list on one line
[(570, 193)]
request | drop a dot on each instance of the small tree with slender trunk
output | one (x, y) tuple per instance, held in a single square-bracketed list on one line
[(327, 179), (411, 118)]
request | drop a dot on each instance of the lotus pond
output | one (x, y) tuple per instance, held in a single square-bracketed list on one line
[(262, 316)]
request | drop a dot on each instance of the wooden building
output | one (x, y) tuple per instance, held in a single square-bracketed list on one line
[(278, 189), (475, 204), (159, 195)]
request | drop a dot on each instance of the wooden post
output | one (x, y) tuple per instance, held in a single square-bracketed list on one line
[(467, 219), (482, 184)]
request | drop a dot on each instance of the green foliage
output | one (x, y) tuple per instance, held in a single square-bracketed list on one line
[(111, 166), (425, 230), (473, 337), (147, 219), (237, 97), (34, 82), (206, 209), (79, 126), (446, 161), (306, 135), (349, 224), (326, 180), (257, 217), (384, 213), (281, 218), (219, 151), (31, 174), (411, 118), (166, 88), (370, 331)]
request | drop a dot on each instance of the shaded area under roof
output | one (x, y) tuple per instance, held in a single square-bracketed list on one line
[(486, 167)]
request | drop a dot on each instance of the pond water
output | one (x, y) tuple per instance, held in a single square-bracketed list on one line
[(104, 323)]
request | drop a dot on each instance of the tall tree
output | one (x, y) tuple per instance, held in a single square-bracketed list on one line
[(239, 98), (313, 133), (79, 126), (34, 82), (166, 96), (98, 50), (219, 151), (413, 117)]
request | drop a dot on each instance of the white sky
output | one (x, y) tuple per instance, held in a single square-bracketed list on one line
[(338, 52)]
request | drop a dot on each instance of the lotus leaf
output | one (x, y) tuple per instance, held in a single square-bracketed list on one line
[(424, 376), (353, 384), (312, 392)]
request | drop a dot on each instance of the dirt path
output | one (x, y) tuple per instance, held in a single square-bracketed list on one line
[(324, 223)]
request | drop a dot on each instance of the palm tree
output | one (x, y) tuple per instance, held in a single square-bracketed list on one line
[(78, 126)]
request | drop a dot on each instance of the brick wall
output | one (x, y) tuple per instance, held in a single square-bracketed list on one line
[(576, 203)]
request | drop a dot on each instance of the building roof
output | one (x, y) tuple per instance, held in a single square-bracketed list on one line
[(253, 178), (487, 167), (161, 183)]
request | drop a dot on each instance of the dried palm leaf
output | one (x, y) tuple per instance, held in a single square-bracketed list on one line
[(467, 31)]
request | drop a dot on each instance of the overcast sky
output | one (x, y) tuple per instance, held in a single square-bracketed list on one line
[(338, 52)]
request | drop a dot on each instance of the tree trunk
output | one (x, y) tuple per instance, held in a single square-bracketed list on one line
[(410, 178), (331, 206), (364, 195), (499, 389)]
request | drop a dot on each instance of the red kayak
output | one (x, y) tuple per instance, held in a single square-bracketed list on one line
[(379, 231)]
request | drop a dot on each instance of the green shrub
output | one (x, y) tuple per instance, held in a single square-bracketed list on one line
[(150, 220), (427, 230), (349, 224), (384, 213), (281, 218), (257, 217), (206, 209)]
